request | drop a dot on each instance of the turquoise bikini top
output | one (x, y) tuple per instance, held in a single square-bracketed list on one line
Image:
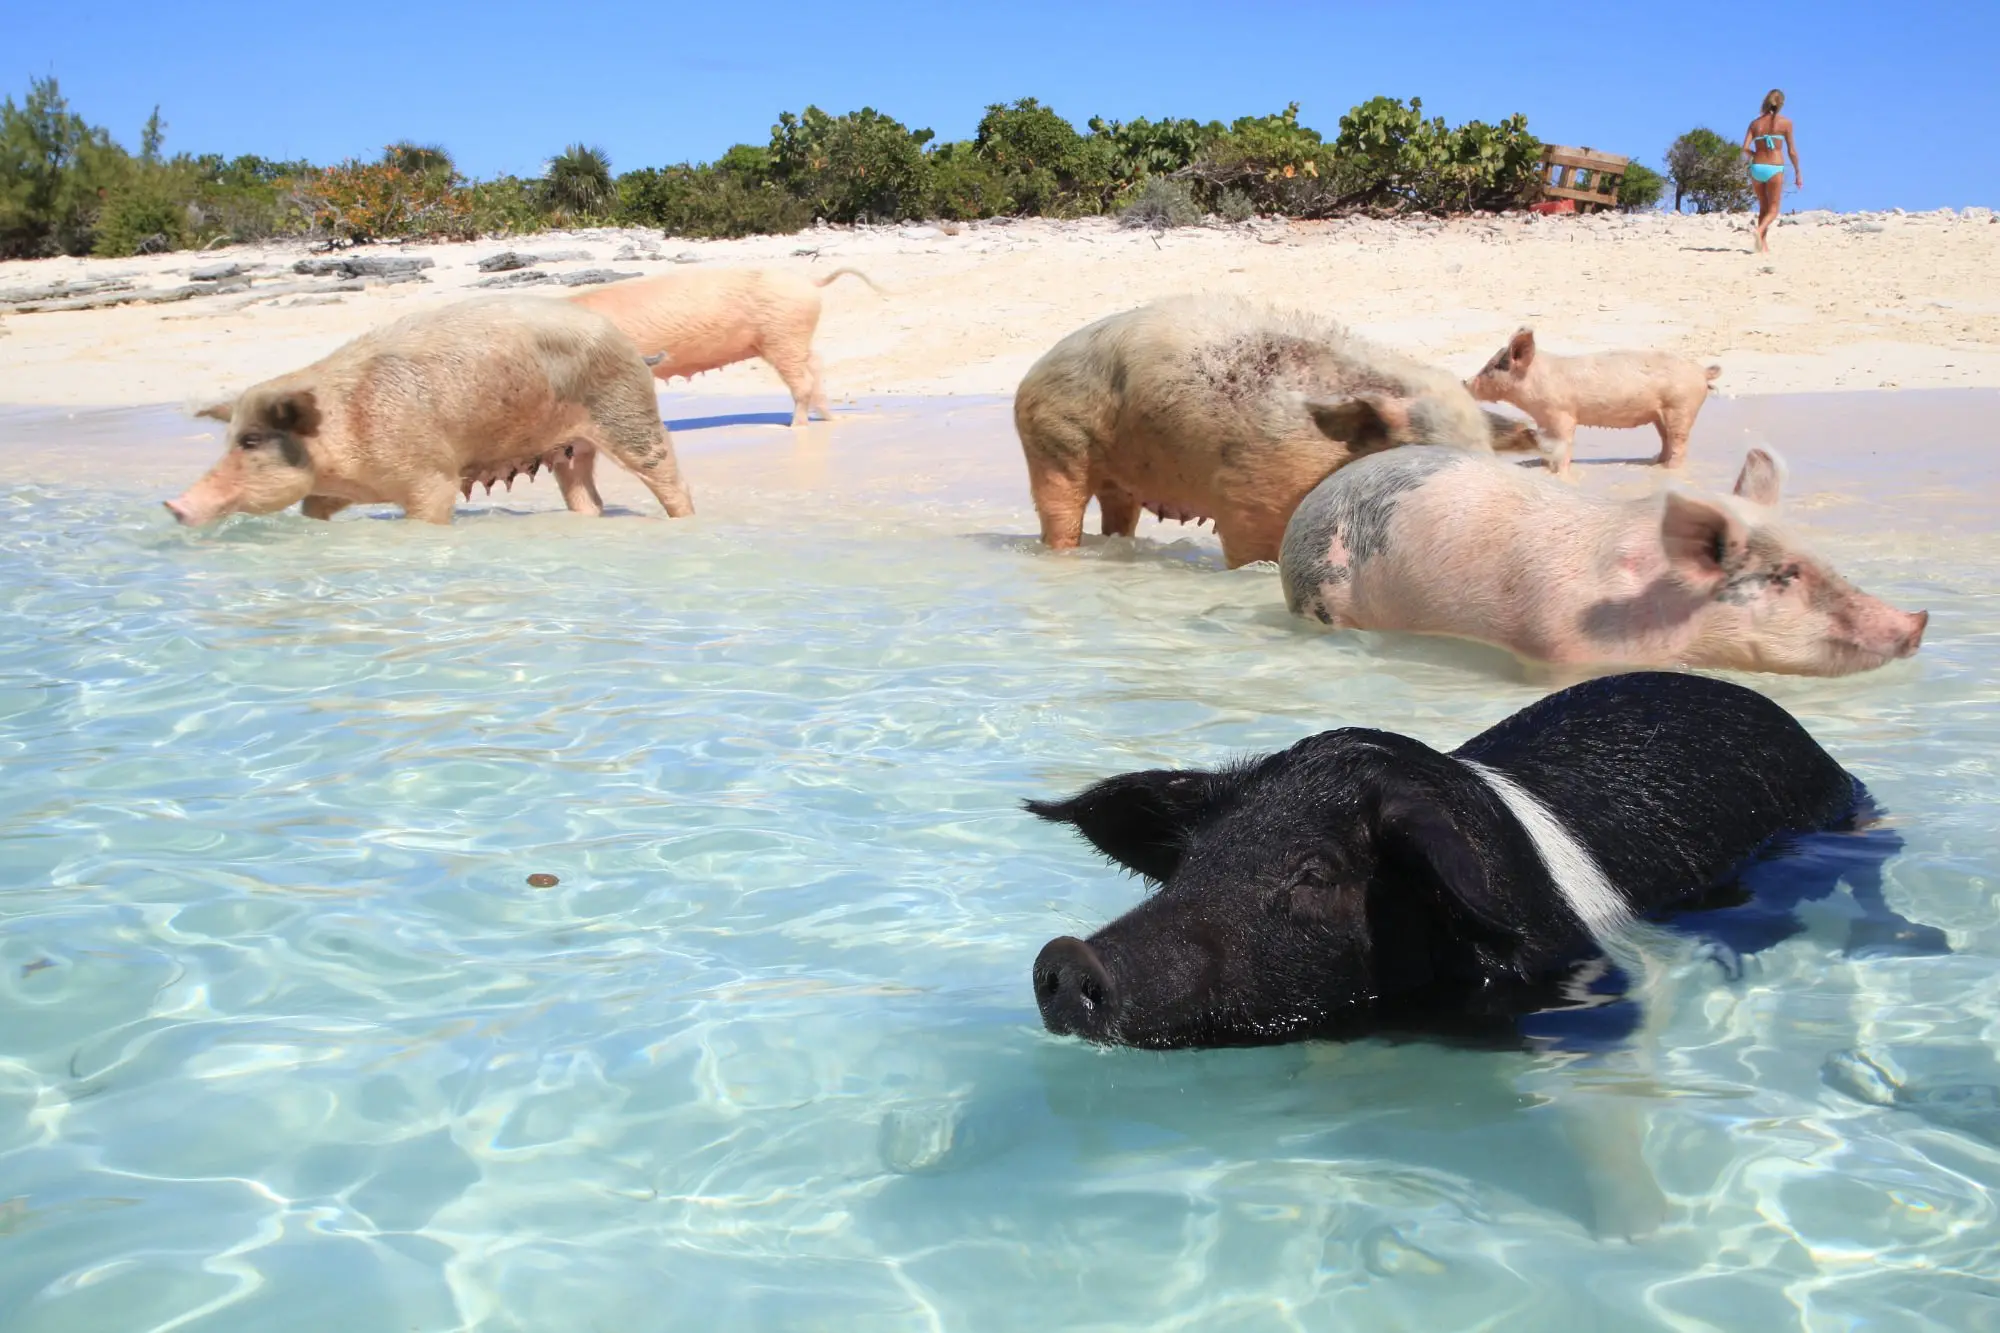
[(1770, 140)]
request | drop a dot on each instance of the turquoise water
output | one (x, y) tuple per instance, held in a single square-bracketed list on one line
[(288, 1041)]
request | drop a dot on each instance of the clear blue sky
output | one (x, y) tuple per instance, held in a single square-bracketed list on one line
[(1896, 102)]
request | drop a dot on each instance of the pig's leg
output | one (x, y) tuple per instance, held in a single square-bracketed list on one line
[(1558, 439), (322, 506), (795, 366), (1061, 497), (432, 500), (1675, 427), (1249, 536), (649, 456), (818, 399), (1117, 511), (576, 474), (625, 423)]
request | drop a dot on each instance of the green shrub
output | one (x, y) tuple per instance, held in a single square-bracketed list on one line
[(1273, 161), (144, 217), (859, 167), (1391, 157), (1161, 203), (1641, 189), (358, 202), (1046, 167), (965, 185), (1135, 149), (1707, 170), (506, 206), (1235, 206), (731, 197)]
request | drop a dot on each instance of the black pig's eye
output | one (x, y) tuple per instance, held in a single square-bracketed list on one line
[(249, 441)]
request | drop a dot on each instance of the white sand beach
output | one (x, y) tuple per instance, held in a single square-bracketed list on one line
[(1845, 302)]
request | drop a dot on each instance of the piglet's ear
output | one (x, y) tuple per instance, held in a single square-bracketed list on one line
[(1762, 480), (1140, 820), (1417, 834), (1521, 350), (1367, 422), (221, 411), (1705, 543)]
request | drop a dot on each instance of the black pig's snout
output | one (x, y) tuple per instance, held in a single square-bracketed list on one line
[(1075, 990)]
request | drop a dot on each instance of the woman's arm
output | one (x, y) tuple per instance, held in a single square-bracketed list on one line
[(1798, 172), (1750, 137)]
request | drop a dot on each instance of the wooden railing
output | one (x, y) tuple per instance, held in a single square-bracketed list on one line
[(1588, 177)]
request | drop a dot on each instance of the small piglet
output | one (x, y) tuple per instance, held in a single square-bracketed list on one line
[(1603, 389), (1362, 881), (1438, 541)]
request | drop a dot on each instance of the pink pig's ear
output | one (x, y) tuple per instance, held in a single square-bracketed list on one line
[(221, 411), (1366, 422), (1521, 350), (1762, 479), (1705, 543)]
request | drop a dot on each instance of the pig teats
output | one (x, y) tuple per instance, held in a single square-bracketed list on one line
[(491, 474), (1167, 513)]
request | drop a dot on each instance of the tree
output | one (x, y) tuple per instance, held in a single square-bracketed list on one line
[(1707, 170), (54, 169), (152, 137), (1641, 189), (579, 180)]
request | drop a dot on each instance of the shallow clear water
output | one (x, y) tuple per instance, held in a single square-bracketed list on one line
[(288, 1041)]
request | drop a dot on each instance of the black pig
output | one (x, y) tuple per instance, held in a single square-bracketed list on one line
[(1362, 882)]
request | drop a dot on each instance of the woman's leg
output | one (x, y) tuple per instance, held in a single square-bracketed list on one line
[(1768, 195)]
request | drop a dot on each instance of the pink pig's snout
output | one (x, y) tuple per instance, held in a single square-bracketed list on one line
[(196, 508), (1915, 637)]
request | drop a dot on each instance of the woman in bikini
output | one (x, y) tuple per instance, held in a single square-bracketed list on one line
[(1762, 141)]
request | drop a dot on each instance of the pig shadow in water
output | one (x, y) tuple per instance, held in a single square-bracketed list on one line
[(1176, 553), (1754, 910), (1079, 1142), (1480, 1122), (684, 424)]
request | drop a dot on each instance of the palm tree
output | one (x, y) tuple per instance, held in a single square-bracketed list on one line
[(420, 159), (578, 180)]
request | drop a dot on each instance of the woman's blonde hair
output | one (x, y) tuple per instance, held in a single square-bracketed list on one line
[(1774, 101)]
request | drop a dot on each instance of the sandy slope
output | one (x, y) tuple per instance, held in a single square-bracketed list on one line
[(1845, 302)]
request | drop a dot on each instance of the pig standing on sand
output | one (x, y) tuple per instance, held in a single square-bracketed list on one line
[(419, 411), (1214, 408), (1441, 542), (1605, 389), (685, 323)]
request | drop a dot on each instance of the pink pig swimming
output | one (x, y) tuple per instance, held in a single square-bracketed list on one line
[(1443, 541), (1619, 389)]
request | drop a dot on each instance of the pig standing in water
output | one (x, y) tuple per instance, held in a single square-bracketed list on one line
[(1441, 542), (1606, 389), (418, 412), (1213, 408), (686, 323)]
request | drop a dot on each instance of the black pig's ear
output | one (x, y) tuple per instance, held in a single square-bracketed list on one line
[(1415, 831), (1140, 820)]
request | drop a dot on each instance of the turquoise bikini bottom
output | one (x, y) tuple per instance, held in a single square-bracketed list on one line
[(1761, 172)]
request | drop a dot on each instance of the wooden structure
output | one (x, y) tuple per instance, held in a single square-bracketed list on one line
[(1585, 176)]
